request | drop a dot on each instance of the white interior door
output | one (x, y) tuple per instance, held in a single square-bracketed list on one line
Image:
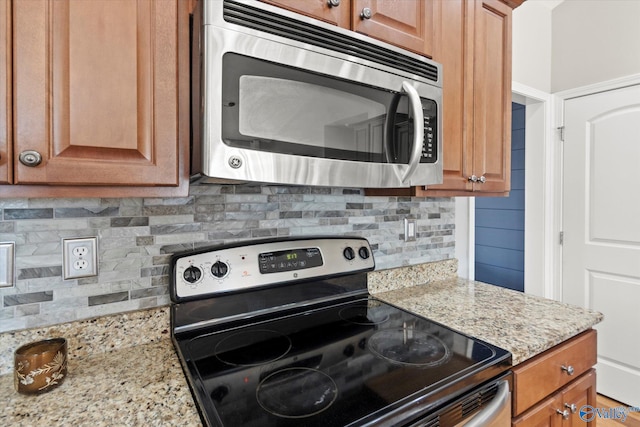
[(601, 224)]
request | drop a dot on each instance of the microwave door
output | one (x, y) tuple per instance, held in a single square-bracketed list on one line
[(418, 130), (405, 132)]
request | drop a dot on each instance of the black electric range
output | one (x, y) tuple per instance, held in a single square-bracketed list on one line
[(284, 333)]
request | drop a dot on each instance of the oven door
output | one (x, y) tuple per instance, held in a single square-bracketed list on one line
[(495, 414), (486, 406), (275, 112)]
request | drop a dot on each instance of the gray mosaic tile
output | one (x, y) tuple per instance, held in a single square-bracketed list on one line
[(7, 313), (229, 234), (264, 232), (14, 203), (145, 240), (247, 189), (9, 214), (27, 310), (174, 228), (155, 271), (149, 292), (60, 226), (7, 227), (168, 210), (108, 298), (168, 239), (86, 212), (129, 221), (30, 273), (30, 298), (171, 249)]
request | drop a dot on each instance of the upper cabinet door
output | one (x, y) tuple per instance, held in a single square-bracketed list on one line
[(454, 51), (334, 12), (96, 91), (492, 96), (5, 92), (408, 24)]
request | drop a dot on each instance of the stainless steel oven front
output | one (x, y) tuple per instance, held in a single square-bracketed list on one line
[(286, 99)]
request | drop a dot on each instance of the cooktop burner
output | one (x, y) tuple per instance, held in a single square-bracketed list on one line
[(261, 349), (252, 348), (409, 347), (364, 315), (296, 392)]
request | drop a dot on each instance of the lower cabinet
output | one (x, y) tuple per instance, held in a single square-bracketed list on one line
[(550, 389), (563, 407)]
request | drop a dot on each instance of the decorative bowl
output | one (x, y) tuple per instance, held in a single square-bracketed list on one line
[(40, 366)]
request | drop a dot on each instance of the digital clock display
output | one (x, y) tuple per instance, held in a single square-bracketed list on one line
[(289, 260)]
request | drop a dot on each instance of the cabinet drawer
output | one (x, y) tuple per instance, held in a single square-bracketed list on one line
[(544, 374)]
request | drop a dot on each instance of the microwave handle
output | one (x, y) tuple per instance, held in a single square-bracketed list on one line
[(418, 129)]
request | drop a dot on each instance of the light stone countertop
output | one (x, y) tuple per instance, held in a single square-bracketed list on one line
[(137, 386), (523, 324), (123, 369)]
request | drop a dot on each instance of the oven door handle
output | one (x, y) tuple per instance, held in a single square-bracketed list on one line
[(488, 416), (418, 129)]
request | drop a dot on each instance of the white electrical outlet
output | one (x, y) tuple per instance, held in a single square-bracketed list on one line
[(80, 257)]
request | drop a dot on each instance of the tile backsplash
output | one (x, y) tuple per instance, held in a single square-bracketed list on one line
[(136, 237)]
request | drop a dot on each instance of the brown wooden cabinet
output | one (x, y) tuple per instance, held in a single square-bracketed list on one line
[(100, 92), (5, 93), (408, 24), (550, 389), (475, 51), (562, 409), (339, 15)]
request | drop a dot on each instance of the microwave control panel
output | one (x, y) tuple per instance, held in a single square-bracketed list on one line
[(430, 144)]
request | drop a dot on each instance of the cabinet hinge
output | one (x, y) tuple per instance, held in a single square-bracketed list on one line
[(561, 130), (561, 237)]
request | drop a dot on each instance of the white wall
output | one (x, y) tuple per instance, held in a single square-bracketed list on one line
[(531, 48), (594, 41)]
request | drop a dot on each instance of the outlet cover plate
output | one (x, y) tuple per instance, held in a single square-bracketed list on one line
[(88, 260), (410, 230), (7, 264)]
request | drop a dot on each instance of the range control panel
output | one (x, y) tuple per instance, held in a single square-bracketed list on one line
[(206, 272)]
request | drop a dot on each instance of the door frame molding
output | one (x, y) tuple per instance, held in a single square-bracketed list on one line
[(539, 157), (559, 99)]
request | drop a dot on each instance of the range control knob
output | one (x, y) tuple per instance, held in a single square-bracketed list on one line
[(219, 269), (192, 274), (349, 253), (363, 252)]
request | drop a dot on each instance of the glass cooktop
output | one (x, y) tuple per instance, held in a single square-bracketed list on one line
[(356, 362)]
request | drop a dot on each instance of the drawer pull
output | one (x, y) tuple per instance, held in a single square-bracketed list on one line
[(567, 369), (565, 414), (572, 407)]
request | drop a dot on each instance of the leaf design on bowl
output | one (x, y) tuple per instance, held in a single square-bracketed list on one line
[(55, 368)]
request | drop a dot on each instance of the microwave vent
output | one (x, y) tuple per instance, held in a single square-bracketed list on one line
[(284, 26)]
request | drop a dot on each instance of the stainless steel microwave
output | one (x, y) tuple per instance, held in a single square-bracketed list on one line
[(281, 98)]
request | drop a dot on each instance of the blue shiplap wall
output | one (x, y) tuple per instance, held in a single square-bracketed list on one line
[(500, 221)]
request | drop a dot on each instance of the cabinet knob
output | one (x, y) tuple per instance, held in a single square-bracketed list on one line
[(30, 158), (567, 369), (565, 414), (482, 179), (366, 13), (572, 407), (333, 3), (473, 178)]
